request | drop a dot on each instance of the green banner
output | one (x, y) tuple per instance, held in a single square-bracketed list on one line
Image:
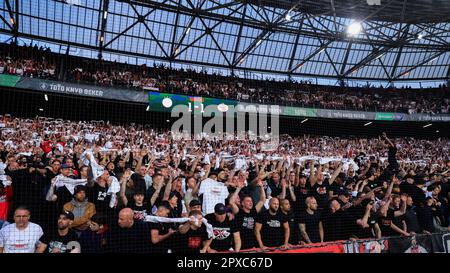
[(299, 112), (8, 80), (384, 116)]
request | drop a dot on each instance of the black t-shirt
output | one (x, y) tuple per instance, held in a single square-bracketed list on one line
[(54, 240), (301, 193), (294, 237), (139, 211), (163, 229), (272, 231), (321, 193), (98, 195), (360, 232), (311, 222), (63, 196), (412, 220), (246, 225), (129, 240), (274, 188), (336, 226), (336, 188), (223, 232), (192, 241), (385, 224)]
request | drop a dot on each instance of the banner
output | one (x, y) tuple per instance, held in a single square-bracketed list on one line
[(434, 243), (82, 90), (8, 80), (371, 246), (164, 102)]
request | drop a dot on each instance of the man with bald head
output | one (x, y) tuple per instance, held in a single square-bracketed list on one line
[(272, 227), (128, 236), (310, 222)]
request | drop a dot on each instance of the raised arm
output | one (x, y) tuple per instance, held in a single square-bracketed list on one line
[(234, 207), (262, 198)]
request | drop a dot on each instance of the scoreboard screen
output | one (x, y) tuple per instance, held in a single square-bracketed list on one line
[(164, 102)]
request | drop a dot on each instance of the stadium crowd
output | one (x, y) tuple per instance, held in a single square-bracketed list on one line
[(95, 187), (39, 62)]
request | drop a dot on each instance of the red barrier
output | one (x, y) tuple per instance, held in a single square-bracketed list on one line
[(332, 247)]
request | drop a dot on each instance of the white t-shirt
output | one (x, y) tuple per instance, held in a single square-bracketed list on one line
[(213, 193), (14, 240)]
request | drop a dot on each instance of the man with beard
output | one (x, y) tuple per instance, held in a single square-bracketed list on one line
[(56, 241), (310, 222), (272, 227), (225, 230), (285, 207)]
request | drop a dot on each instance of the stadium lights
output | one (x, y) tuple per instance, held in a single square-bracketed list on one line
[(188, 30), (322, 50), (11, 20), (305, 120), (428, 125), (105, 14), (259, 42), (41, 109), (368, 123), (354, 28), (420, 36), (167, 120), (46, 97), (437, 131), (148, 108), (288, 17)]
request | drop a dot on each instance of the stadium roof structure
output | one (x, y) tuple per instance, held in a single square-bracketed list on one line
[(396, 41)]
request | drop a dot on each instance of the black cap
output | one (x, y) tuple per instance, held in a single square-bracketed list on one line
[(68, 214), (79, 188), (220, 209), (40, 165), (194, 203)]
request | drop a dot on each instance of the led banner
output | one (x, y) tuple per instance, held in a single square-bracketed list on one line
[(164, 102)]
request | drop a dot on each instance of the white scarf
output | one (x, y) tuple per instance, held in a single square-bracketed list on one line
[(157, 219)]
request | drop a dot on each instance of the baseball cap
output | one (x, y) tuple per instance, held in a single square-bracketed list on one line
[(220, 209), (194, 203), (64, 166), (67, 214)]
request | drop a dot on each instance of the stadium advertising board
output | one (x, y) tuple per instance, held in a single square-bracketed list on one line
[(164, 102)]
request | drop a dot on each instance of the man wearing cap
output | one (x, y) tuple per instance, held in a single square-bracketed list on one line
[(59, 241), (225, 230), (81, 208), (195, 205)]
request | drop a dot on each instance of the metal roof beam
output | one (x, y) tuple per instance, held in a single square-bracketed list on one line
[(407, 71)]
